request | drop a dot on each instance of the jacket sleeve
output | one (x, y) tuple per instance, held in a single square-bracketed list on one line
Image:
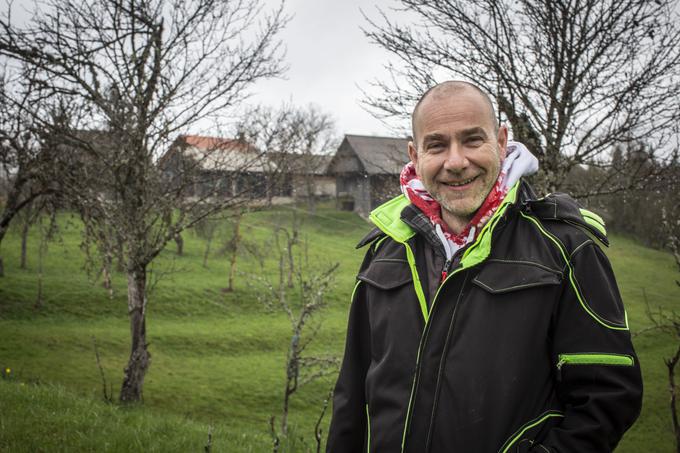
[(597, 373), (348, 429)]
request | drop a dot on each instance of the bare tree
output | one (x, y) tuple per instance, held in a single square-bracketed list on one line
[(671, 222), (669, 322), (294, 141), (143, 71), (206, 229), (300, 302), (271, 131), (233, 248), (573, 79), (26, 217), (47, 228), (24, 159), (233, 243), (316, 133)]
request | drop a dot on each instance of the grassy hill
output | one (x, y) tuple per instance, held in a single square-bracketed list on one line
[(218, 358)]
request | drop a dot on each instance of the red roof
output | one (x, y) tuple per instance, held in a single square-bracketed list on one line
[(210, 143)]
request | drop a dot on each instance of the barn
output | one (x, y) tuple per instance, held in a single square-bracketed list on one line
[(366, 170)]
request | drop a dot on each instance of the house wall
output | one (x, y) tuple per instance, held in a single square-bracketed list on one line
[(229, 184), (354, 190), (323, 186)]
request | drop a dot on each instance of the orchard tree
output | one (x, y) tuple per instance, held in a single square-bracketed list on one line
[(25, 161), (316, 134), (294, 140), (573, 78), (142, 72)]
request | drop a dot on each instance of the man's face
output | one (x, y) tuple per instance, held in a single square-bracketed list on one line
[(458, 152)]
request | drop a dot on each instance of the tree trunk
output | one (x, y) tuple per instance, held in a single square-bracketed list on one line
[(106, 271), (673, 388), (236, 241), (140, 359), (120, 260), (311, 205), (24, 242), (3, 230), (39, 295), (292, 376), (180, 244), (311, 194), (42, 249), (206, 252)]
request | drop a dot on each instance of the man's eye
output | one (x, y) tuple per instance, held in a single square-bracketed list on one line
[(475, 141)]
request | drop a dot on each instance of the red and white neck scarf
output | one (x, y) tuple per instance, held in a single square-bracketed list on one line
[(518, 162)]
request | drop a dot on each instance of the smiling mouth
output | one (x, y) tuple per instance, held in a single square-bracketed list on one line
[(460, 183)]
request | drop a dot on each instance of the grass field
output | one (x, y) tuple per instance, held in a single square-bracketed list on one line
[(218, 358)]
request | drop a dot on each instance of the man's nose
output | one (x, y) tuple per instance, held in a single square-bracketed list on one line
[(456, 158)]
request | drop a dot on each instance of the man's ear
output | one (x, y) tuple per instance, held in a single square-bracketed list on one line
[(413, 153), (502, 141)]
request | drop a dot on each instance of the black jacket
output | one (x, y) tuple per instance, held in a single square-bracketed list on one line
[(524, 347)]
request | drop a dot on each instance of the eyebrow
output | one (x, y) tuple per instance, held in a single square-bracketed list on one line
[(473, 131), (435, 137), (462, 134)]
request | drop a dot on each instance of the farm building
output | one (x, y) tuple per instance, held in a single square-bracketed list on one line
[(237, 168), (367, 171), (241, 170), (306, 174)]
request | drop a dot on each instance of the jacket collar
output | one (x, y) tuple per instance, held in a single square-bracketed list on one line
[(421, 224), (398, 217), (388, 218)]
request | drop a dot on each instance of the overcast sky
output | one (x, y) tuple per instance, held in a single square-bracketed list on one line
[(329, 58)]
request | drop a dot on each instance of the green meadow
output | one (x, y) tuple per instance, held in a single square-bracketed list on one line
[(218, 358)]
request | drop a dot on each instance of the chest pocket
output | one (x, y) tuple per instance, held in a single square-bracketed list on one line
[(504, 276), (387, 273)]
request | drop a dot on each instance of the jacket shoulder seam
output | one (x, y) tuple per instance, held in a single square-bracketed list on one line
[(580, 247)]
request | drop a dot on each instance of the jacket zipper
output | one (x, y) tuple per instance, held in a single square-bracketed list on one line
[(446, 269), (414, 387), (442, 362)]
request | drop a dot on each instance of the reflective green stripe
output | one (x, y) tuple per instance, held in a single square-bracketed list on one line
[(380, 241), (416, 282), (481, 248), (527, 426), (595, 358), (592, 215), (572, 279), (594, 220), (351, 299), (368, 428)]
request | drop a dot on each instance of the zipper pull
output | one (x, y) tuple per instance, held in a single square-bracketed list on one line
[(561, 362), (445, 272)]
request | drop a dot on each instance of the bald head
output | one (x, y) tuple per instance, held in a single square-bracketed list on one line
[(447, 91)]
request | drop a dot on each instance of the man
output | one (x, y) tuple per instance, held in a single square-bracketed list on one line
[(484, 319)]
